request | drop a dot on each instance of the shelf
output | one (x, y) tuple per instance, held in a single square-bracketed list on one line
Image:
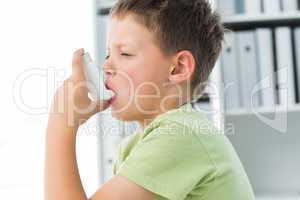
[(246, 22), (262, 110), (240, 21), (104, 6)]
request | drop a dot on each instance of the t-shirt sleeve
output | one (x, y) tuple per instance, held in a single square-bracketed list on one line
[(168, 162)]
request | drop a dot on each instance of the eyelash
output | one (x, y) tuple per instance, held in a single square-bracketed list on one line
[(123, 54)]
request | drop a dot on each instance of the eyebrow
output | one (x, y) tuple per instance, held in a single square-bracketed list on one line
[(118, 45)]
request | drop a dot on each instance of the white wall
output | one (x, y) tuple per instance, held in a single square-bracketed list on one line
[(36, 35)]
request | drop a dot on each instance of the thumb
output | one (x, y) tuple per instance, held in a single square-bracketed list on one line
[(77, 65)]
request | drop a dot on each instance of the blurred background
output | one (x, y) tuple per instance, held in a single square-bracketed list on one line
[(253, 97)]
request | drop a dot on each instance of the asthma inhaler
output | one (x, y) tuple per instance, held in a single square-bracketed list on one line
[(95, 78)]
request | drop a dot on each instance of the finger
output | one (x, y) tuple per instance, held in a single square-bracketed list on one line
[(77, 64)]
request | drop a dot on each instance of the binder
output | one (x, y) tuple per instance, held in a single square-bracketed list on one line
[(289, 5), (271, 6), (226, 7), (265, 59), (253, 6), (285, 68), (249, 74), (240, 6), (297, 53), (230, 73)]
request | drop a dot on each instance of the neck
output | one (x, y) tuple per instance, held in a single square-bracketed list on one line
[(145, 121)]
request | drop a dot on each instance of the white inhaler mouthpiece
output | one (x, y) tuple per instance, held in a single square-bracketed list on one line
[(95, 80)]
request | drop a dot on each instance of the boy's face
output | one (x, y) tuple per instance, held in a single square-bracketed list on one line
[(141, 70)]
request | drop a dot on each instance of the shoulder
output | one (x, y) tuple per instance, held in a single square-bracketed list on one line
[(167, 151), (183, 121)]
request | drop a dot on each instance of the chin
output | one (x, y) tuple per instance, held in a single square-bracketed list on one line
[(126, 112), (124, 115)]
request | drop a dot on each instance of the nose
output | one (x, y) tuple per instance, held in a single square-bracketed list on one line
[(109, 73), (108, 69)]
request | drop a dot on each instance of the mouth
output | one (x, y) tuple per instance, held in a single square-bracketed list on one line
[(115, 94), (108, 87), (111, 100)]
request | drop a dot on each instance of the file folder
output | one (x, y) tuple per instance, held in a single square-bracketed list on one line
[(248, 69), (271, 6), (285, 68), (226, 7), (230, 73), (253, 7), (240, 6), (297, 53), (289, 5), (264, 49)]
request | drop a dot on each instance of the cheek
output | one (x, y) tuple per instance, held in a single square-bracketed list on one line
[(136, 89), (126, 83), (139, 86), (147, 91), (143, 82), (125, 86)]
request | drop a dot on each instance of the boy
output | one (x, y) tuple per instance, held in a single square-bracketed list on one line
[(159, 51)]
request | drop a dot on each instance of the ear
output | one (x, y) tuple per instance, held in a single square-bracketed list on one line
[(183, 67)]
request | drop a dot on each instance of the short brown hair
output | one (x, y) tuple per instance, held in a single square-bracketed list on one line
[(180, 25)]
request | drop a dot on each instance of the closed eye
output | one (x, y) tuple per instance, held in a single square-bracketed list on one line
[(123, 54)]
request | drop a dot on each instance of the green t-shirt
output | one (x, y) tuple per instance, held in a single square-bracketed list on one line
[(182, 155)]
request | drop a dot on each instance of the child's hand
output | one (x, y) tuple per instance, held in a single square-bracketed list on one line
[(71, 102)]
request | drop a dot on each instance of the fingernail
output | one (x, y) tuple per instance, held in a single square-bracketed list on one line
[(81, 51)]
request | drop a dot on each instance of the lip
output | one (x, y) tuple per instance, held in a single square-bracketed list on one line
[(112, 99), (107, 86)]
